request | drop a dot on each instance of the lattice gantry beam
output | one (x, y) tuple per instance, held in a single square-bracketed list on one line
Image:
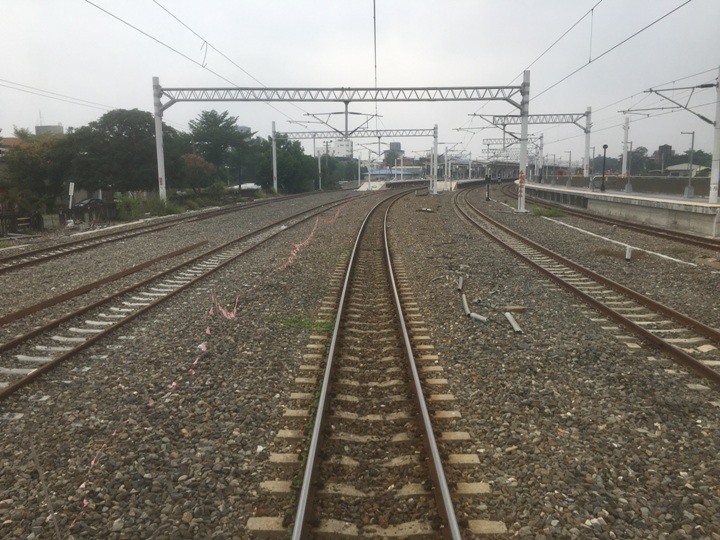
[(461, 93), (514, 119), (358, 134)]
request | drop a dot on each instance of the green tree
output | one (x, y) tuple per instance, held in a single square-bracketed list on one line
[(390, 157), (215, 134), (296, 170), (117, 152), (196, 172), (38, 169), (639, 161)]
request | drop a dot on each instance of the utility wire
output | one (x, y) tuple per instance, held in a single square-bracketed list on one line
[(71, 100), (78, 101)]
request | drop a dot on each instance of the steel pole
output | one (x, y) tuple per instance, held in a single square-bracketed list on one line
[(715, 169), (569, 178), (626, 128), (274, 160), (157, 94), (689, 192), (588, 125), (435, 163)]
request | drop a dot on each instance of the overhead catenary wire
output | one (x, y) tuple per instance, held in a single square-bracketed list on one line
[(211, 46), (590, 61), (611, 49)]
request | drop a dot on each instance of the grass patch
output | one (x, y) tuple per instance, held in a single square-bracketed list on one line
[(546, 212), (307, 324)]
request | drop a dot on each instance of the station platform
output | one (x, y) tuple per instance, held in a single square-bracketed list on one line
[(695, 215)]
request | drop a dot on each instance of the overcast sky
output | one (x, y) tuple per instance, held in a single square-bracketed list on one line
[(74, 49)]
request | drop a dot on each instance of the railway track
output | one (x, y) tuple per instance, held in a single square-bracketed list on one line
[(677, 236), (41, 255), (40, 348), (373, 467), (687, 341)]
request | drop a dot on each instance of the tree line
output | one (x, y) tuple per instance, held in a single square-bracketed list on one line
[(116, 153), (642, 163)]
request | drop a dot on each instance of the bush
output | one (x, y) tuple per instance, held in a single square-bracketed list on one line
[(130, 208)]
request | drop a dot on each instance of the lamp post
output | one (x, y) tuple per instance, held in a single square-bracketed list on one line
[(689, 192), (602, 183), (569, 178)]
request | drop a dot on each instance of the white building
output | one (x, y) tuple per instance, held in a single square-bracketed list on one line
[(342, 148)]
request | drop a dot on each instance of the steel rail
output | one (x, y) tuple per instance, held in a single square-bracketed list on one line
[(10, 389), (678, 355), (73, 247), (81, 244), (442, 491), (25, 312), (85, 288), (311, 466)]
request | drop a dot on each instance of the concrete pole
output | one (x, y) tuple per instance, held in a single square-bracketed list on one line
[(359, 171), (274, 159), (524, 108), (470, 167), (157, 94), (588, 125), (715, 170), (626, 129), (433, 179)]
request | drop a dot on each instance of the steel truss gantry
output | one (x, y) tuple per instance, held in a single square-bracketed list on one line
[(518, 96), (368, 133), (562, 118)]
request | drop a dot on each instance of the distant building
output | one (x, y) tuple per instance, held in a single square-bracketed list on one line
[(49, 130), (683, 169), (395, 147), (664, 152), (342, 148)]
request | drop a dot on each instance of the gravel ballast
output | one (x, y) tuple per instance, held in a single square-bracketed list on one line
[(165, 430)]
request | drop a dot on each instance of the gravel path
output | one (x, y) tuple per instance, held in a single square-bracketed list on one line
[(165, 433)]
